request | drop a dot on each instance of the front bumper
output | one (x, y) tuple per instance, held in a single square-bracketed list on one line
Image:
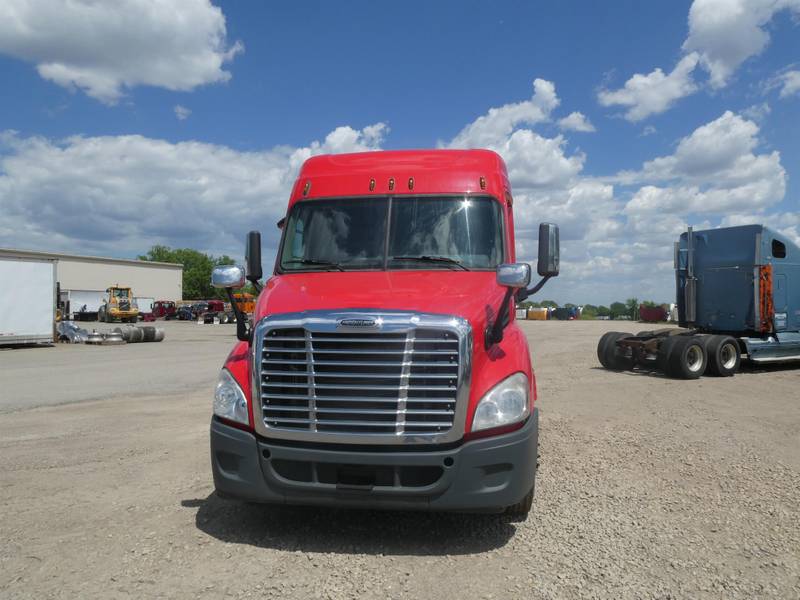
[(484, 475)]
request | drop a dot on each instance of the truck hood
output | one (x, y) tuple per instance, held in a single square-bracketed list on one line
[(473, 295)]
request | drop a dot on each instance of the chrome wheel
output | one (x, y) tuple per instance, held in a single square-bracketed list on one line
[(694, 358), (727, 355)]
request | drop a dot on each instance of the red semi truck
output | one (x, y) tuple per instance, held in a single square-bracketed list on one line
[(384, 367)]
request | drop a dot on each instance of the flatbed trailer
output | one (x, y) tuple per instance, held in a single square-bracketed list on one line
[(738, 296)]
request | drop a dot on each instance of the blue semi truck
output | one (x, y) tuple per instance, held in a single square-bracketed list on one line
[(738, 296)]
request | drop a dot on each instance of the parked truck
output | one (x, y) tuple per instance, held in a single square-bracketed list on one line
[(28, 292), (384, 367), (738, 297)]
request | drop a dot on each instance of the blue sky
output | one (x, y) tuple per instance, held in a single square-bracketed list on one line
[(184, 123)]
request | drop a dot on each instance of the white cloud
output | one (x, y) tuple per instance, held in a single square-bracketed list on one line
[(648, 130), (650, 94), (181, 112), (790, 84), (757, 112), (715, 169), (576, 121), (497, 124), (104, 48), (532, 160), (725, 33), (119, 195)]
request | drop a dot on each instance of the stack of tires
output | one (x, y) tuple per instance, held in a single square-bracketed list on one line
[(681, 356)]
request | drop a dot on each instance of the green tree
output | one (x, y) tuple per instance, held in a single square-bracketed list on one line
[(548, 304), (632, 304), (603, 311), (617, 310), (197, 268)]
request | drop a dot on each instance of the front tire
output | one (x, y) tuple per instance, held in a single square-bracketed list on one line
[(520, 510)]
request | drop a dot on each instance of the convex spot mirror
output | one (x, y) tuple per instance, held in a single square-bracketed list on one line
[(549, 250), (228, 276), (514, 275)]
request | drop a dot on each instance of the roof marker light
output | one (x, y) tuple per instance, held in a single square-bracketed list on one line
[(411, 183), (483, 183), (371, 185), (391, 183), (306, 187)]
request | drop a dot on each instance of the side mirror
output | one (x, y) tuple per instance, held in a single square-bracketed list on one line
[(253, 256), (514, 275), (549, 250), (228, 276)]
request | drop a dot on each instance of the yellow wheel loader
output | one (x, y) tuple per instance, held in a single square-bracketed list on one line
[(118, 304)]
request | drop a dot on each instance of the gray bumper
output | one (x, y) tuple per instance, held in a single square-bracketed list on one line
[(482, 475)]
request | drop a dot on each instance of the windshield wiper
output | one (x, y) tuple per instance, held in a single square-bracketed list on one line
[(315, 262), (439, 259)]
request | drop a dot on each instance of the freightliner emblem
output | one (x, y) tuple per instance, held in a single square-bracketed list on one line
[(361, 323)]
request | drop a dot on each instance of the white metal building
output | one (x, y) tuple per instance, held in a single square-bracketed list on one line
[(84, 279)]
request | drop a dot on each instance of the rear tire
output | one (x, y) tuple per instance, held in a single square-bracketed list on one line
[(665, 352), (723, 355), (688, 358), (609, 354)]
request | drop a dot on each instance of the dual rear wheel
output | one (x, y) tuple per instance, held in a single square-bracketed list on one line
[(690, 356)]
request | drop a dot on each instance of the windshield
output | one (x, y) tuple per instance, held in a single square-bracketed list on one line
[(424, 233)]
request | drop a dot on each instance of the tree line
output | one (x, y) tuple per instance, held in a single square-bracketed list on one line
[(197, 267), (629, 308)]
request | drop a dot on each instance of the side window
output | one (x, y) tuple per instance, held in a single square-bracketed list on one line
[(778, 249)]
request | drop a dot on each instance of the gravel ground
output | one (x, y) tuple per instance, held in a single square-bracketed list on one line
[(648, 488)]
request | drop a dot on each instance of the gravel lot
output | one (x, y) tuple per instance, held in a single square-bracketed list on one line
[(648, 488)]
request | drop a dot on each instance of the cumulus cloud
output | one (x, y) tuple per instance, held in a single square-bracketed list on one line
[(725, 33), (722, 35), (650, 94), (120, 194), (576, 121), (713, 170), (499, 123), (104, 48), (181, 112)]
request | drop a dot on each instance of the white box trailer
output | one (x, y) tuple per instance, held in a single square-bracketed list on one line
[(27, 300)]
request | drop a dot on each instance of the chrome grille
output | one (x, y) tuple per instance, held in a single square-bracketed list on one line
[(399, 382)]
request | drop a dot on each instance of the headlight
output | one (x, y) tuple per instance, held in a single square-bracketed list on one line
[(504, 404), (229, 400)]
